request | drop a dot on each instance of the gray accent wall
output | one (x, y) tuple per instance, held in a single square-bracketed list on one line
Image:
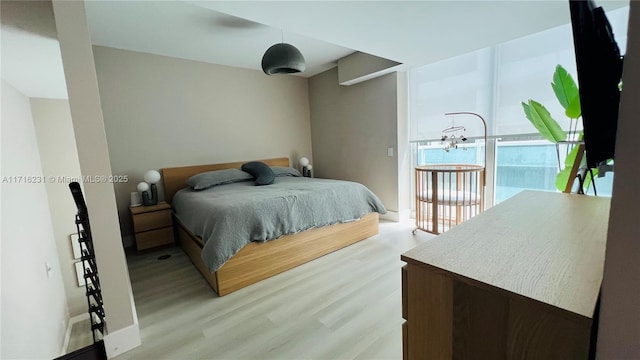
[(166, 112), (352, 128)]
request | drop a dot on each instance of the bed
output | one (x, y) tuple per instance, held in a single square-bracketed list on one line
[(258, 259)]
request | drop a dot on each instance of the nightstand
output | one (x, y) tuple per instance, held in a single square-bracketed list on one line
[(152, 225)]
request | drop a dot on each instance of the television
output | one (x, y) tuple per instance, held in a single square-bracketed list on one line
[(599, 66)]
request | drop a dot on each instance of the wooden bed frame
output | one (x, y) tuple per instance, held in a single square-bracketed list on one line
[(258, 261)]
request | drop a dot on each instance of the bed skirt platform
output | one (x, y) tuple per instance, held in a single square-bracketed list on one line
[(258, 261)]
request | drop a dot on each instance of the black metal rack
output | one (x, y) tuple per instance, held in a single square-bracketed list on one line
[(92, 281)]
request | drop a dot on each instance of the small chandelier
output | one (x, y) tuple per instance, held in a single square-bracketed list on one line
[(282, 58)]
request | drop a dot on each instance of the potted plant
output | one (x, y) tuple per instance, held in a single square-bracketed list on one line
[(568, 95)]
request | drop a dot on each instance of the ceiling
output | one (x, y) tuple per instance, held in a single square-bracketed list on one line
[(236, 33), (31, 59), (188, 31)]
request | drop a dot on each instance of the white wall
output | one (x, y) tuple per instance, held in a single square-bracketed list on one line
[(59, 156), (619, 332), (34, 306), (164, 112), (123, 332), (404, 149), (352, 127)]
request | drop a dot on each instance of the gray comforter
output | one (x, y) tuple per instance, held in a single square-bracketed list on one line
[(230, 216)]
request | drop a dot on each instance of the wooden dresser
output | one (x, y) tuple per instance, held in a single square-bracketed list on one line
[(519, 281), (152, 225)]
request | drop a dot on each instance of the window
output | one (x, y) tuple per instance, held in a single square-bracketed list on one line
[(522, 165), (456, 84), (493, 82), (433, 153)]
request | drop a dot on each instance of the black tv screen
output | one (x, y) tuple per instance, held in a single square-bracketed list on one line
[(599, 67)]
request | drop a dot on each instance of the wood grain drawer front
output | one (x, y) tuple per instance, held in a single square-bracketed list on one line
[(405, 342), (152, 220), (153, 238)]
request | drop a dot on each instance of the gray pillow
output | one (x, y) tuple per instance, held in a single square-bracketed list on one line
[(285, 171), (208, 179), (261, 171)]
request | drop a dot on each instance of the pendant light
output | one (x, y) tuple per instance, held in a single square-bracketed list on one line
[(282, 59)]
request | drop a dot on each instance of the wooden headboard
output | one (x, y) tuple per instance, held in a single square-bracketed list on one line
[(175, 179)]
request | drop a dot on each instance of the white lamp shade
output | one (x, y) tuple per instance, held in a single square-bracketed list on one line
[(143, 186), (309, 167), (152, 176), (304, 162)]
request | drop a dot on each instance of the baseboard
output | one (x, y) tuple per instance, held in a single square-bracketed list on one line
[(78, 318), (405, 214), (67, 335), (120, 341), (390, 216)]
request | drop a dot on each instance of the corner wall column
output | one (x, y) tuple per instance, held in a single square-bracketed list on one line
[(84, 100)]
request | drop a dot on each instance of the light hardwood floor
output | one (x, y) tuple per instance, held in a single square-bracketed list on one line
[(345, 305)]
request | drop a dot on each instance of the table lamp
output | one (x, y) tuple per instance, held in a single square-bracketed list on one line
[(306, 167), (151, 177)]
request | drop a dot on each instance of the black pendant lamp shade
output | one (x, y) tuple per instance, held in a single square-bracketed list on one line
[(282, 59)]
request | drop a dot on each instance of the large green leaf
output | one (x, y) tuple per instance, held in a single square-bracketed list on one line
[(527, 111), (564, 87), (542, 120), (563, 176), (574, 110)]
